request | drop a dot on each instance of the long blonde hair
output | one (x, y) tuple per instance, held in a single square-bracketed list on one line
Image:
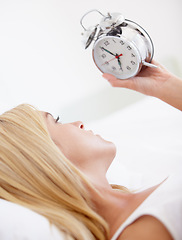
[(35, 174)]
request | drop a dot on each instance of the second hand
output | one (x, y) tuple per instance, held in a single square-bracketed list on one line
[(116, 57), (108, 61)]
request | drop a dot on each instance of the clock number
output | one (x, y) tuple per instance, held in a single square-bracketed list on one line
[(132, 62), (113, 68), (106, 43), (114, 41), (128, 68), (129, 48), (133, 55), (122, 42), (103, 55), (107, 63)]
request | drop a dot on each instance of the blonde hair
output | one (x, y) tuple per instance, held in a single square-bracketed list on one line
[(35, 174)]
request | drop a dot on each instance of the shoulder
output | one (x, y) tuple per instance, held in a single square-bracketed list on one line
[(146, 227)]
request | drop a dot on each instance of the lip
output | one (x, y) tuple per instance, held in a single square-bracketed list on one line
[(98, 135), (90, 131)]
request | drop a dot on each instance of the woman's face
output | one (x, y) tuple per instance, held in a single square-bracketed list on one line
[(84, 149)]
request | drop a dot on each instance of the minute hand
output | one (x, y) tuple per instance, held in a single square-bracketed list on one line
[(108, 51), (119, 62)]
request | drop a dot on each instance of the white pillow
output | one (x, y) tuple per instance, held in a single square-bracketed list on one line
[(20, 223)]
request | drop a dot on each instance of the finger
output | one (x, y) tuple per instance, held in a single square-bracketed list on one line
[(128, 83), (108, 76)]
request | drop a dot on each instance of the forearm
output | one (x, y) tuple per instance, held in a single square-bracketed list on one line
[(172, 92), (157, 82)]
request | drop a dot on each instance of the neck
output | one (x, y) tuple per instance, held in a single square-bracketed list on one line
[(111, 205)]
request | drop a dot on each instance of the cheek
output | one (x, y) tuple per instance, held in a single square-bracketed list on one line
[(79, 146), (66, 141)]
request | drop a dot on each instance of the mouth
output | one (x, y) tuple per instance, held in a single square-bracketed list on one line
[(91, 132)]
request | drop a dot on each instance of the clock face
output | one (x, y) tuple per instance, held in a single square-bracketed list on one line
[(117, 56)]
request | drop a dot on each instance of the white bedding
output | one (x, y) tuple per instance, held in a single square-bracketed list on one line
[(148, 136)]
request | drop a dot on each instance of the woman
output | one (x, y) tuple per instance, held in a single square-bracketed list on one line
[(59, 170)]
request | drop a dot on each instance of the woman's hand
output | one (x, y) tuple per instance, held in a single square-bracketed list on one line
[(156, 82), (149, 81)]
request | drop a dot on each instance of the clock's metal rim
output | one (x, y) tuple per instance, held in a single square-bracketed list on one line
[(145, 34)]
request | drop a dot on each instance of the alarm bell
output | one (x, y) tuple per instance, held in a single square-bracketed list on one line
[(88, 36), (109, 23)]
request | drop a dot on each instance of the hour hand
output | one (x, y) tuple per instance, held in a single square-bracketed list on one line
[(108, 51), (119, 62)]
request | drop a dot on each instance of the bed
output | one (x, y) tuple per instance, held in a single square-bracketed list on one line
[(148, 137)]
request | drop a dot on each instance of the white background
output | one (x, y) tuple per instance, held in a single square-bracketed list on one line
[(42, 60)]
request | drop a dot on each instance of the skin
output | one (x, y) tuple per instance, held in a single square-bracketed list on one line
[(82, 147), (156, 82), (93, 156)]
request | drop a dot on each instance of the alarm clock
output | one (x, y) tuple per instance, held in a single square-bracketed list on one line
[(121, 46)]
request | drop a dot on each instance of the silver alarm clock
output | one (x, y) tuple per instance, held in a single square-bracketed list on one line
[(121, 46)]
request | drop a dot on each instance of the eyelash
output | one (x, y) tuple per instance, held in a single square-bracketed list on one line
[(57, 119)]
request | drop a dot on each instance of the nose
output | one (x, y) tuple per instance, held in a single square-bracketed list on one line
[(79, 124)]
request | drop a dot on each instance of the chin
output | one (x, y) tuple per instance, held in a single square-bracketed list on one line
[(114, 150), (111, 148), (111, 153)]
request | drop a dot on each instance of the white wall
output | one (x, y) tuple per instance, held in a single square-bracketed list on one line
[(42, 61)]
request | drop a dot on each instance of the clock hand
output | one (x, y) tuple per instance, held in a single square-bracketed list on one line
[(107, 51), (119, 62), (108, 61), (117, 56)]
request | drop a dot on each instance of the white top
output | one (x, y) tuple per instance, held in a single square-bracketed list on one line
[(165, 204)]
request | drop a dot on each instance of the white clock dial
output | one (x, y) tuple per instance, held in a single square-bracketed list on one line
[(117, 56)]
